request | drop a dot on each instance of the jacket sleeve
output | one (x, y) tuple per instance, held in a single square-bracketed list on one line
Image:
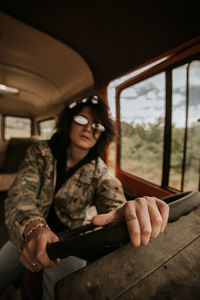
[(21, 205), (109, 193)]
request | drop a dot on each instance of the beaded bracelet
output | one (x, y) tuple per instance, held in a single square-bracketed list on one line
[(34, 228)]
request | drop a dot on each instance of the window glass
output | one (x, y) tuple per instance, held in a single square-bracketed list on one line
[(178, 125), (192, 166), (17, 127), (142, 111), (184, 170), (47, 128)]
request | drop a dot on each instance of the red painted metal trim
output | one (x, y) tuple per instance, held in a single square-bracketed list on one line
[(173, 57), (140, 187)]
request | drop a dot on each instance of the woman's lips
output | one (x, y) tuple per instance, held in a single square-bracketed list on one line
[(85, 137)]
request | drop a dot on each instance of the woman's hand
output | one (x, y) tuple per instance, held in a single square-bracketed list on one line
[(145, 217), (34, 256)]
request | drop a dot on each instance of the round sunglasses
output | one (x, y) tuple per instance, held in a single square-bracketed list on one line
[(82, 120)]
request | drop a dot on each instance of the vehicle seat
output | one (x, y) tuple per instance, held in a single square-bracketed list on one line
[(12, 154)]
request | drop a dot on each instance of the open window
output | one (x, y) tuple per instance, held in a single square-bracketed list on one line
[(158, 125), (16, 127), (46, 128)]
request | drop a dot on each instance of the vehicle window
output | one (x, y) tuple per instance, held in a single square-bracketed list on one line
[(142, 113), (185, 147), (179, 78), (47, 128), (192, 164), (16, 127)]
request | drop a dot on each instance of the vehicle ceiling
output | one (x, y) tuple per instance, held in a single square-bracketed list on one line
[(96, 41)]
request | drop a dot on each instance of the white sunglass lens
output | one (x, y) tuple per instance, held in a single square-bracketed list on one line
[(94, 101), (80, 120), (99, 127)]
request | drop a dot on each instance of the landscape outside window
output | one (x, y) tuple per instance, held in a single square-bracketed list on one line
[(192, 169), (142, 116), (17, 127), (184, 170), (47, 128), (179, 76), (142, 113)]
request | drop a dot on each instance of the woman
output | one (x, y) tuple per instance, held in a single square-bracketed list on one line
[(58, 183)]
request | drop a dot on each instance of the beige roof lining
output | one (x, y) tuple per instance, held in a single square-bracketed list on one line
[(46, 71)]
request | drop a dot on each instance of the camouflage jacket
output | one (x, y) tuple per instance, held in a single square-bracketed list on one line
[(32, 193)]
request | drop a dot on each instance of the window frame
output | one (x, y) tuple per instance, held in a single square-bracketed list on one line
[(119, 129), (132, 183)]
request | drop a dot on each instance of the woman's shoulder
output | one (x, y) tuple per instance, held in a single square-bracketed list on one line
[(41, 146), (105, 172), (95, 166), (101, 167), (101, 163)]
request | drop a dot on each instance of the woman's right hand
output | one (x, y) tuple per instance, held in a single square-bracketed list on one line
[(34, 256)]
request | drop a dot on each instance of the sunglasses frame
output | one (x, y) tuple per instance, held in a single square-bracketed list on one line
[(98, 127)]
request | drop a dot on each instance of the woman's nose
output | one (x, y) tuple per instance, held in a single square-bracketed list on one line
[(88, 127)]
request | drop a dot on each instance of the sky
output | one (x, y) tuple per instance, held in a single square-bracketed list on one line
[(144, 101)]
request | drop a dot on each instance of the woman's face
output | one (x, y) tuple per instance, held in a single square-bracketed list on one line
[(82, 136)]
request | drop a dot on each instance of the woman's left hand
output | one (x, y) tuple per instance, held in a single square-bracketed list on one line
[(145, 217)]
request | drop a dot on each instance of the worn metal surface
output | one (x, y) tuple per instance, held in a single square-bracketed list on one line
[(142, 273), (178, 278)]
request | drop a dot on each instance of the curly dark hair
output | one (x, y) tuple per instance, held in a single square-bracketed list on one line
[(101, 114)]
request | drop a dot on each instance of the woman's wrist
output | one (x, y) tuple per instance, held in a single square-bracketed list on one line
[(32, 227)]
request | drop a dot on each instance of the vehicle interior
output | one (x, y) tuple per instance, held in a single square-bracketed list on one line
[(54, 52)]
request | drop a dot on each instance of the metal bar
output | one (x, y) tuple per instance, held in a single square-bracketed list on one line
[(186, 130), (167, 131)]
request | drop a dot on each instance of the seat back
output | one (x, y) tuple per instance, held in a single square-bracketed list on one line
[(14, 154)]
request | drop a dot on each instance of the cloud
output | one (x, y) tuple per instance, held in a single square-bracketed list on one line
[(148, 91), (194, 95)]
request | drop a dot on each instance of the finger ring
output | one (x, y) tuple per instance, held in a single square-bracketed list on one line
[(130, 218), (33, 265)]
